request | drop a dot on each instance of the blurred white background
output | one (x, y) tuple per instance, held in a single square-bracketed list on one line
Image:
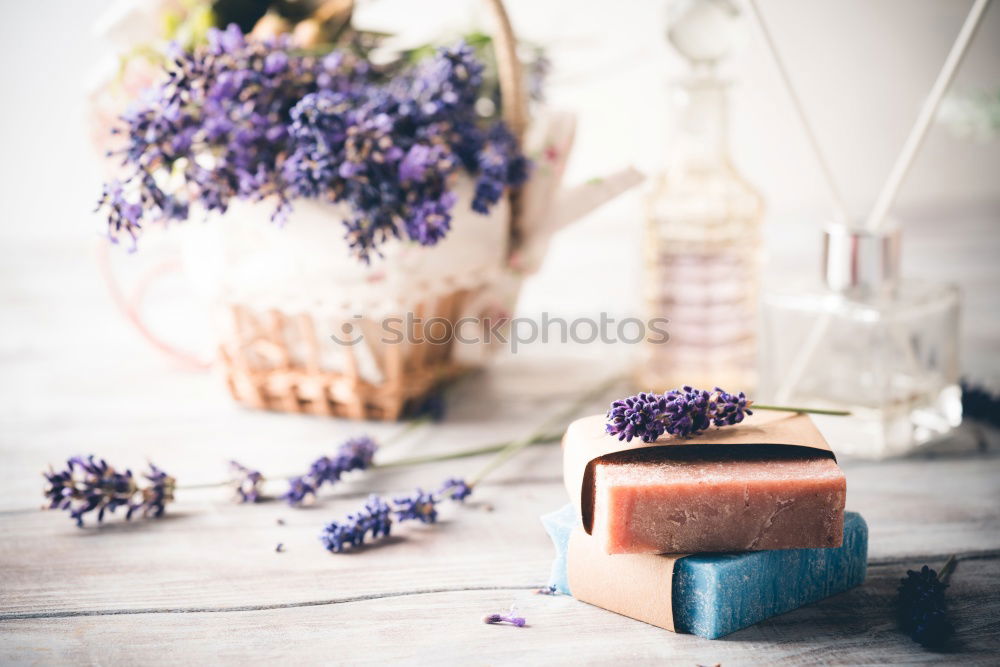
[(862, 68)]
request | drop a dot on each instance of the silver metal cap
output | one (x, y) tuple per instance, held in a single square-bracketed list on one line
[(858, 261)]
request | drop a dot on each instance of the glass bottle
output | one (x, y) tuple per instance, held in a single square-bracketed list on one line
[(884, 348), (703, 240)]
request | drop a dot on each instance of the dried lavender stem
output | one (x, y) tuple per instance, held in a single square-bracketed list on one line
[(558, 421), (947, 569), (537, 438), (811, 411)]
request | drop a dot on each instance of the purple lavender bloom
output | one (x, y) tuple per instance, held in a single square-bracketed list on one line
[(680, 412), (354, 454), (415, 163), (727, 409), (639, 416), (420, 506), (300, 490), (455, 489), (153, 499), (505, 617), (375, 519), (247, 482), (88, 484), (280, 125)]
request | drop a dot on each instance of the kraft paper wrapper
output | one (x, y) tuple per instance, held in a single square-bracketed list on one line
[(640, 586)]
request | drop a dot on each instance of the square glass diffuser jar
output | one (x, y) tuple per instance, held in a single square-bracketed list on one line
[(890, 356)]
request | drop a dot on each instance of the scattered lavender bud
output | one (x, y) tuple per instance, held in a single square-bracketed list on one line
[(280, 522), (88, 484), (247, 482), (505, 617), (280, 548), (680, 412), (354, 454), (546, 590)]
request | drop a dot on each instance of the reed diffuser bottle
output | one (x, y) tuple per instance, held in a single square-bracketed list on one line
[(882, 347), (703, 225)]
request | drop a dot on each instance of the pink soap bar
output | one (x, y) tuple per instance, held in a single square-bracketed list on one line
[(719, 498)]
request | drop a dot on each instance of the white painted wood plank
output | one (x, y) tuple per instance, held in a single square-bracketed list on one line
[(857, 627), (209, 552)]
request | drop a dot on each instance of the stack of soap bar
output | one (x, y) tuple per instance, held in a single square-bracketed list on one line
[(711, 498), (716, 594)]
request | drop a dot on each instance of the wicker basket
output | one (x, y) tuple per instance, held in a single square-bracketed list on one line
[(277, 360)]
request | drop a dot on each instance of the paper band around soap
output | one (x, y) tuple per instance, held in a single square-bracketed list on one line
[(592, 445)]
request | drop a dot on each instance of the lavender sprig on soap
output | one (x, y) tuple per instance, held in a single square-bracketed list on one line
[(683, 412)]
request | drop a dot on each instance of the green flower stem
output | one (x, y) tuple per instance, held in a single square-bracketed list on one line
[(811, 411), (948, 568), (536, 439), (465, 453), (558, 422)]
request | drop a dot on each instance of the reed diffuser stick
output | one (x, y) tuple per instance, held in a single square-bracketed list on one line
[(836, 198), (919, 132)]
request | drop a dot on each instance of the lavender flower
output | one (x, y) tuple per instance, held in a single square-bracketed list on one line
[(680, 412), (639, 416), (244, 119), (455, 489), (88, 484), (153, 498), (922, 608), (375, 519), (354, 454), (420, 506), (247, 482), (509, 616)]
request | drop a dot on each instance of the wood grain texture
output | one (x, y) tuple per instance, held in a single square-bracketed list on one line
[(205, 582), (445, 627)]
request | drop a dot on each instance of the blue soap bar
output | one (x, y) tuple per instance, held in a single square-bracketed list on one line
[(716, 594)]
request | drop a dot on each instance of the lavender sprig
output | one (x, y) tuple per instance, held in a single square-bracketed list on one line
[(88, 484), (923, 612), (684, 412), (247, 482), (377, 517), (354, 454)]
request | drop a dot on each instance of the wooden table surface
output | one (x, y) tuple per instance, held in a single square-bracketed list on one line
[(205, 581)]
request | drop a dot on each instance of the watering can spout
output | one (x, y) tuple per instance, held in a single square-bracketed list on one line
[(545, 205)]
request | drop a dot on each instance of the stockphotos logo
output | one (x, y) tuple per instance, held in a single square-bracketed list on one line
[(513, 332)]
